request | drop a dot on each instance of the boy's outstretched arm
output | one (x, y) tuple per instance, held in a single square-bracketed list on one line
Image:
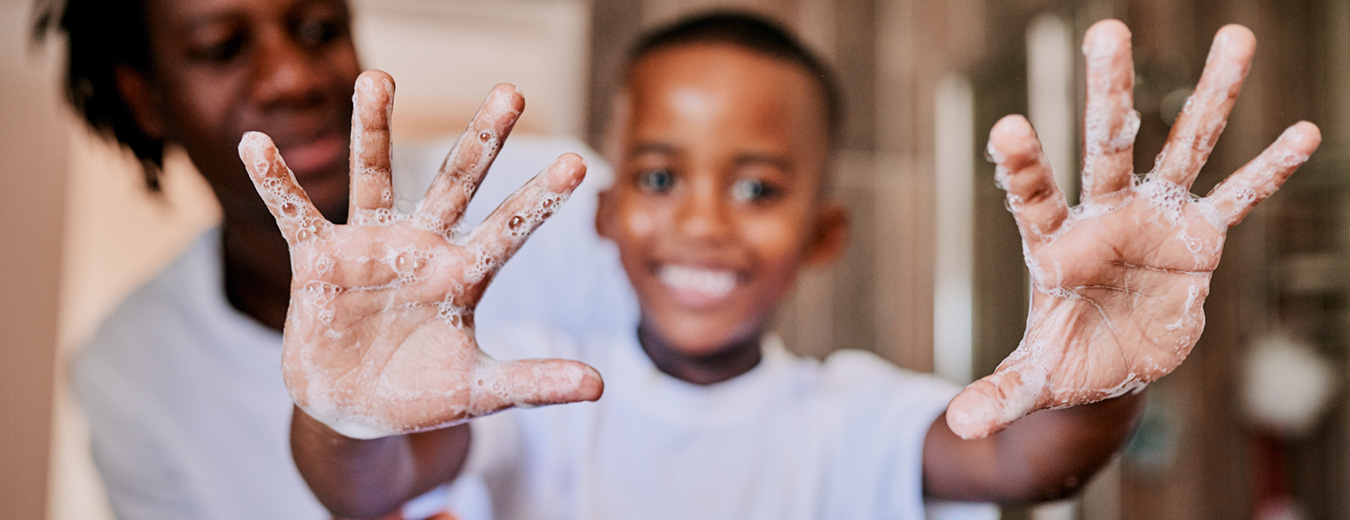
[(379, 338), (1118, 283), (1043, 456)]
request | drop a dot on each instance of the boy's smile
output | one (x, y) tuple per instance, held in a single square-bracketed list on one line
[(696, 286), (718, 200)]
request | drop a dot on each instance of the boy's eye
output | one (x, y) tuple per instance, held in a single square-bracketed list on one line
[(752, 190), (656, 181)]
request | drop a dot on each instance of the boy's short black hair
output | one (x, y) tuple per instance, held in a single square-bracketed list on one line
[(103, 35), (754, 33)]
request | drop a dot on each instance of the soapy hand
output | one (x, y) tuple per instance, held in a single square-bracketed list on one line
[(379, 336), (1118, 283)]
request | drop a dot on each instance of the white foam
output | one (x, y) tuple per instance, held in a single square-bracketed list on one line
[(356, 429), (408, 264), (324, 263), (523, 224), (1205, 207), (1192, 295), (376, 217), (993, 155), (1168, 197), (454, 315)]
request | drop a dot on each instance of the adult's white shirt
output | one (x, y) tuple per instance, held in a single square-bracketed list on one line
[(188, 412)]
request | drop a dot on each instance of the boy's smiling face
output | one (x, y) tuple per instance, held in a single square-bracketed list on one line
[(718, 200)]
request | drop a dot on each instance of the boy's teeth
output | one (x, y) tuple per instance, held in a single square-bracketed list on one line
[(714, 284)]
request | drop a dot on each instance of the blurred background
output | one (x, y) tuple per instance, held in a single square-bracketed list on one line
[(1251, 426)]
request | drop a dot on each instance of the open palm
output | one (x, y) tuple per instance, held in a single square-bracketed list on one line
[(379, 335), (1118, 283)]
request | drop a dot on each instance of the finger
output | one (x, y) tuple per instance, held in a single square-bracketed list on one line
[(296, 216), (372, 189), (1235, 197), (469, 160), (504, 231), (532, 382), (1111, 122), (1023, 171), (989, 405), (1198, 127)]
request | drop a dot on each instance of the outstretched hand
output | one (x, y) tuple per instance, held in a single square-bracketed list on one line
[(379, 336), (1118, 283)]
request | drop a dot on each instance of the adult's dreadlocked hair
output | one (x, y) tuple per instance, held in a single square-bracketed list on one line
[(103, 35)]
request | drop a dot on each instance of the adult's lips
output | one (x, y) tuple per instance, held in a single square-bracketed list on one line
[(309, 157)]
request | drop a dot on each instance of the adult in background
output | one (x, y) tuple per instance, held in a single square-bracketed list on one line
[(182, 383)]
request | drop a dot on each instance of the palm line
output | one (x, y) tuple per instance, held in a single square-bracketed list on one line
[(1109, 325), (1113, 288), (1129, 265), (357, 324)]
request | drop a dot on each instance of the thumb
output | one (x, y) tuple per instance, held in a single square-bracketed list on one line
[(989, 405), (532, 382)]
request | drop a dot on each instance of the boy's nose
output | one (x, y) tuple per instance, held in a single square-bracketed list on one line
[(702, 214), (284, 70)]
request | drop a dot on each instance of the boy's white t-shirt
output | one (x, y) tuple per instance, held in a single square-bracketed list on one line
[(792, 438)]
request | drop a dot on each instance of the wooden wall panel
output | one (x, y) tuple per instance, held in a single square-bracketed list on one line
[(1213, 474)]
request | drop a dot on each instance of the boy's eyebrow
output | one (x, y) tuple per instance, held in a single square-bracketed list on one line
[(755, 158), (653, 147), (777, 161)]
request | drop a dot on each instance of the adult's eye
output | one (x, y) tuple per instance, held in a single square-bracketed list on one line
[(752, 190), (218, 52), (315, 32), (656, 180)]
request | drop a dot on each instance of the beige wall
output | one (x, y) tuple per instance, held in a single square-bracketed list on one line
[(31, 182), (446, 55)]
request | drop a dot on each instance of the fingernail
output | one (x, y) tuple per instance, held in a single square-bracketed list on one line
[(561, 177), (252, 143), (591, 385)]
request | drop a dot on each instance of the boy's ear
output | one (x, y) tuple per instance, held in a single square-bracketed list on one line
[(139, 96), (830, 237)]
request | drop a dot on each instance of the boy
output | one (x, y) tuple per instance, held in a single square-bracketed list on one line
[(718, 202)]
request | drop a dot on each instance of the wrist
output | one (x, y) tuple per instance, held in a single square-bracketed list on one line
[(330, 429)]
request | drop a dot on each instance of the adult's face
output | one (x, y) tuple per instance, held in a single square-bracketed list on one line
[(283, 67)]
